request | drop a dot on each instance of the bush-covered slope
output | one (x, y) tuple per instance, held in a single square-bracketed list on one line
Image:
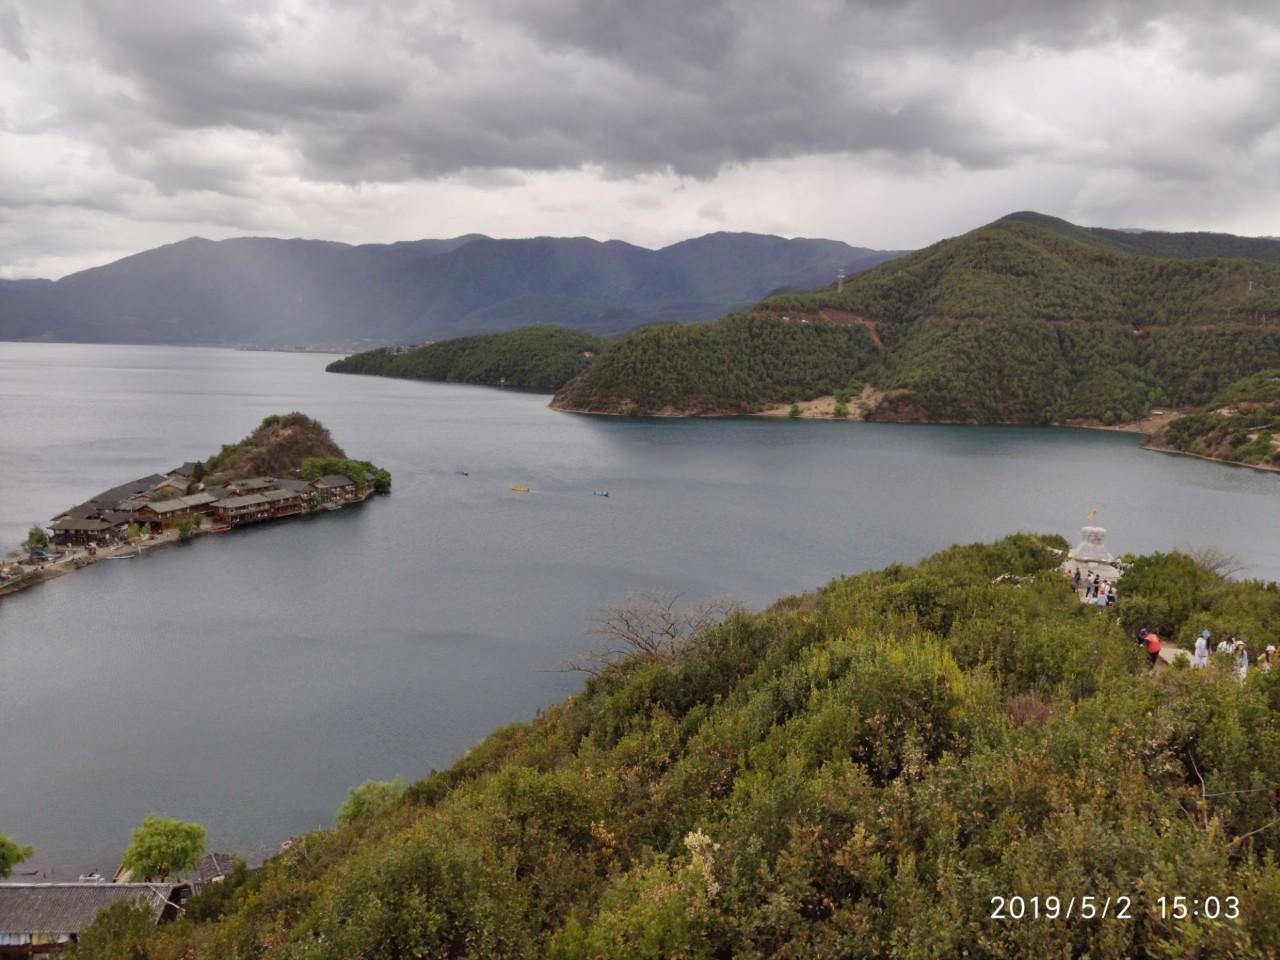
[(1240, 425), (1015, 321), (856, 772), (292, 445), (734, 365), (531, 358)]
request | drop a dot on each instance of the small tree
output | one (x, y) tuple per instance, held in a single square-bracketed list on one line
[(37, 539), (186, 527), (11, 854), (132, 532), (198, 472), (794, 411), (368, 798), (163, 846), (652, 626), (382, 481), (841, 411)]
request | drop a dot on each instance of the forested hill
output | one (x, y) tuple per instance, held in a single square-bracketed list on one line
[(259, 291), (853, 773), (541, 358), (1017, 321), (1240, 425)]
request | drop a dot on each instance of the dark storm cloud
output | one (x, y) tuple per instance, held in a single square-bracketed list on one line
[(386, 92), (11, 32), (153, 106)]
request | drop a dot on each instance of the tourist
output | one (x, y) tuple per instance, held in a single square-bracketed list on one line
[(1242, 661), (1097, 584), (1268, 657), (1201, 656), (1152, 642), (1075, 581)]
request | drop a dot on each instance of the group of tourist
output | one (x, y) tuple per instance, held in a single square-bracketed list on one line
[(1233, 647), (1095, 589)]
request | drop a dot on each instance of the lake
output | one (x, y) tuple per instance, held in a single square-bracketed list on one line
[(246, 681)]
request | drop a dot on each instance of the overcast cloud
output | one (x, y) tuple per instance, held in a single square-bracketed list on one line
[(129, 123)]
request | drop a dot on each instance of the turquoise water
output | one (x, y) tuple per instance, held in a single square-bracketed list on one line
[(246, 681)]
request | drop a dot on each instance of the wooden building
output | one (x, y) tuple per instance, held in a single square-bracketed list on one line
[(257, 507), (336, 488), (165, 513), (80, 532), (36, 919)]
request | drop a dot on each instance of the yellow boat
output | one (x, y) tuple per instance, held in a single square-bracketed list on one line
[(521, 488)]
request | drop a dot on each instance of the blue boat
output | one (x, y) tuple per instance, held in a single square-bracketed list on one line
[(601, 493), (461, 473)]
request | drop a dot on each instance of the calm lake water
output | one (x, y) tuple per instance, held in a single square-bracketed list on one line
[(246, 681)]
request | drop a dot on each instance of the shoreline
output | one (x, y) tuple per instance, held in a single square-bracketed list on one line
[(78, 558), (816, 409)]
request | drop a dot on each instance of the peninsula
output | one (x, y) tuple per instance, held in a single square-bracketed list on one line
[(1028, 320), (540, 357), (289, 466)]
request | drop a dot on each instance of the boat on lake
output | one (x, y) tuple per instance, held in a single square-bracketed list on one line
[(600, 493), (461, 473), (520, 488)]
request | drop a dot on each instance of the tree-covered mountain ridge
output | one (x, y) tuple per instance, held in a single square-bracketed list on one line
[(856, 772), (1026, 320), (541, 357), (264, 291)]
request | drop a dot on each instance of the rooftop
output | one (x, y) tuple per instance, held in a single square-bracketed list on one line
[(65, 908)]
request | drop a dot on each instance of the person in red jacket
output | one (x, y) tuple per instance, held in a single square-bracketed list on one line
[(1153, 645)]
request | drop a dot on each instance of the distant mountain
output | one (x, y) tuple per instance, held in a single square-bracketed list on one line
[(1028, 319), (272, 292), (1157, 243)]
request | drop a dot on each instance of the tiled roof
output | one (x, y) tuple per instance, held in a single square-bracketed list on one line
[(64, 908)]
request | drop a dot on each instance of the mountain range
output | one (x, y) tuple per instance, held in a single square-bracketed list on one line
[(269, 292)]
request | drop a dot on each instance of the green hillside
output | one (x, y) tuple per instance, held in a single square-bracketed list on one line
[(733, 365), (1240, 425), (852, 773), (531, 358), (1015, 321)]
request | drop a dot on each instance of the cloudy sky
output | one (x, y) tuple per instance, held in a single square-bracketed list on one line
[(125, 124)]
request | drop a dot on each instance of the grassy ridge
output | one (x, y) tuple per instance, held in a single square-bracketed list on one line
[(531, 358), (1015, 321), (856, 772)]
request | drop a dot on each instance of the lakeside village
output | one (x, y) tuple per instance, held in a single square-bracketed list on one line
[(121, 522)]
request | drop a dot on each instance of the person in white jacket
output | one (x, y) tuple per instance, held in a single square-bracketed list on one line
[(1201, 656)]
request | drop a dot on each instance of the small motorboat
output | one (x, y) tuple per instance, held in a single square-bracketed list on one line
[(520, 488), (600, 493), (122, 556), (461, 473)]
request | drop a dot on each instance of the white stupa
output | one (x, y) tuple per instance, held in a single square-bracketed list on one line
[(1092, 547)]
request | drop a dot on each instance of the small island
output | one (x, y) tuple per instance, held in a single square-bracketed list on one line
[(288, 467)]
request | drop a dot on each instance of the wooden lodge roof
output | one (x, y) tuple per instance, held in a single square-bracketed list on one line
[(110, 499), (334, 480), (67, 908), (85, 524), (178, 504), (256, 499)]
